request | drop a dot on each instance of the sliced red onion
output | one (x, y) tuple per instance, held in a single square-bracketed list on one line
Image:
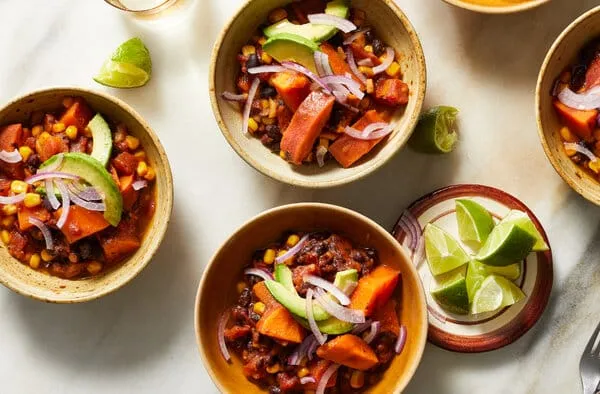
[(390, 55), (140, 184), (326, 64), (319, 63), (354, 36), (407, 230), (331, 20), (419, 251), (54, 203), (40, 176), (598, 120), (310, 352), (401, 341), (293, 251), (373, 127), (45, 231), (89, 205), (266, 69), (307, 379), (11, 157), (338, 311), (582, 101), (221, 335), (87, 193), (258, 272), (233, 97), (321, 152), (66, 203), (307, 72), (5, 200), (414, 228), (330, 287), (581, 149), (353, 66), (367, 62), (375, 327), (348, 82), (322, 386), (301, 350), (248, 105), (311, 318), (360, 328), (380, 133), (53, 167)]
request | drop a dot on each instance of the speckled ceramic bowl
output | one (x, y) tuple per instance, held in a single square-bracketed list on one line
[(393, 27), (28, 282), (217, 291), (497, 6), (562, 53)]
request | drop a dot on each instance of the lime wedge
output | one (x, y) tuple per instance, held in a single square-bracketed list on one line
[(475, 223), (436, 131), (494, 293), (524, 221), (477, 272), (130, 66), (507, 244), (452, 295), (443, 252)]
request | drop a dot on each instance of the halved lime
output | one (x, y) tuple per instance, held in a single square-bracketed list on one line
[(452, 295), (507, 244), (129, 66), (475, 223), (443, 252), (524, 221), (494, 293), (477, 272), (436, 131)]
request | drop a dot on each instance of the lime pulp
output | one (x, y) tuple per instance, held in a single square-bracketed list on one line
[(436, 131), (443, 252), (494, 293), (475, 223)]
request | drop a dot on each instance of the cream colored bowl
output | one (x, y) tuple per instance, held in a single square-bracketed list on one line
[(497, 6)]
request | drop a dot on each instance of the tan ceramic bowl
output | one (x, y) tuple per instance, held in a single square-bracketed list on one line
[(28, 282), (497, 6), (562, 53), (217, 290), (393, 27)]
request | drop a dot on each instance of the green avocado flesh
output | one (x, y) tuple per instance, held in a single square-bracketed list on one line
[(102, 138), (284, 276), (292, 302), (290, 47), (310, 31), (94, 173)]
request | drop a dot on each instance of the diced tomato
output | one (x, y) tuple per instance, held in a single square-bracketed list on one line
[(24, 213), (120, 242), (130, 196), (392, 92), (81, 223), (11, 137), (125, 163), (78, 114)]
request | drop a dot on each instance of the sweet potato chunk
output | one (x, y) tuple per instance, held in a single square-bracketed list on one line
[(349, 350), (264, 295), (119, 242), (130, 195), (374, 289), (338, 64), (81, 223), (25, 213), (306, 125), (359, 53), (78, 114), (391, 92), (277, 322), (347, 150), (580, 122), (50, 146), (292, 87), (11, 137), (387, 315), (125, 163), (317, 368)]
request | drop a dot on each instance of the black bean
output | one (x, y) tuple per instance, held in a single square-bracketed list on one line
[(369, 36), (578, 74), (336, 116), (245, 297), (267, 91), (337, 40), (274, 390), (274, 132), (253, 61), (378, 47)]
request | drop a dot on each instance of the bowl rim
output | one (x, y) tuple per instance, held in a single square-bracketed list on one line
[(409, 372), (168, 182), (573, 183), (498, 10), (294, 181)]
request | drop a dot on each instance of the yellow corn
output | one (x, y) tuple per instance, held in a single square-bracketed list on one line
[(9, 209), (87, 132), (262, 40), (94, 267), (46, 255), (383, 57), (292, 240), (25, 152), (5, 236), (32, 200), (241, 286), (369, 48), (248, 50), (281, 252), (393, 70), (570, 152), (324, 142), (73, 258), (357, 380), (8, 221), (277, 15), (18, 187), (264, 103), (268, 121), (368, 71), (142, 168), (252, 125), (58, 127), (150, 174), (71, 132), (259, 308), (594, 166), (272, 109), (568, 135), (266, 58), (370, 86), (132, 142), (282, 155), (302, 372), (272, 369), (269, 256), (36, 130), (34, 261), (140, 155), (43, 137)]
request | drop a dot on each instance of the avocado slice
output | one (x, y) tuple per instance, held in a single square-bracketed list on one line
[(102, 138), (293, 302), (284, 276), (291, 47), (94, 173), (310, 31)]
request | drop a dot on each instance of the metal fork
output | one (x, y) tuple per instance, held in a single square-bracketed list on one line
[(589, 365)]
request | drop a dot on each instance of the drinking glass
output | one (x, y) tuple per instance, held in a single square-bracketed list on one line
[(142, 7)]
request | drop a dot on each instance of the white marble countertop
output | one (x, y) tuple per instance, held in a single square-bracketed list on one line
[(141, 339)]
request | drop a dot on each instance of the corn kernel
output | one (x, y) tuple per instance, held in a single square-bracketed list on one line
[(368, 71), (281, 252), (140, 155), (278, 14), (34, 261), (292, 240), (73, 258), (570, 151), (269, 121), (94, 267), (302, 372), (269, 256), (266, 58), (150, 174), (262, 40), (9, 209), (32, 200), (248, 50), (594, 166), (132, 142), (370, 86), (58, 127), (36, 130), (5, 235), (369, 48), (357, 380), (568, 135), (87, 132), (259, 308), (71, 132), (18, 187), (252, 125), (43, 137), (241, 286), (8, 221), (142, 168), (393, 70), (272, 108), (272, 369), (67, 102), (25, 152), (282, 155), (47, 255)]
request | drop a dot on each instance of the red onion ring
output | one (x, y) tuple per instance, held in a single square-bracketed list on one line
[(89, 205), (322, 386), (338, 311), (380, 133), (367, 62), (419, 252), (54, 203), (301, 350), (45, 231), (330, 287), (331, 20), (582, 101), (11, 157), (293, 251), (140, 184), (66, 203), (390, 55), (307, 72), (86, 193), (319, 63), (354, 36), (581, 149), (266, 69), (354, 67), (54, 166), (258, 272), (311, 318), (40, 176), (347, 82), (310, 352), (321, 152), (375, 328), (5, 200), (373, 127), (248, 105), (401, 341), (234, 97), (414, 227), (307, 379), (221, 335), (360, 328)]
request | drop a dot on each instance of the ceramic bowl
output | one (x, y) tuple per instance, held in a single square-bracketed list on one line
[(562, 53), (28, 282), (217, 291), (393, 27), (497, 6)]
